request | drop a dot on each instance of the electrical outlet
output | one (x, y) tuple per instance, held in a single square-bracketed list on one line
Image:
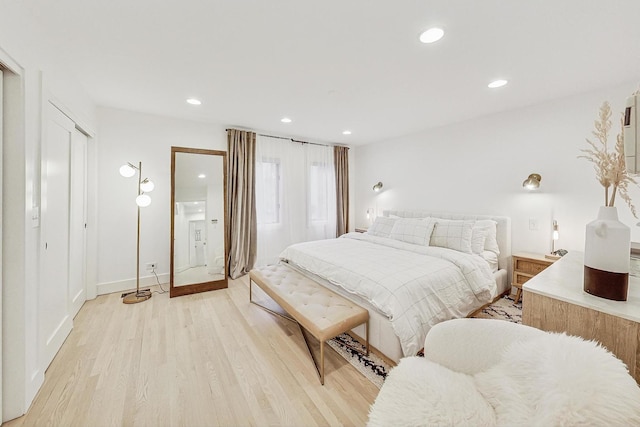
[(151, 266)]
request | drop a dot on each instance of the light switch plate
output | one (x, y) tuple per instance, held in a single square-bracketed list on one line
[(534, 224)]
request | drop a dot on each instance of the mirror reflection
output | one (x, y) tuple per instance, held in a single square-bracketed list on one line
[(198, 223), (631, 132)]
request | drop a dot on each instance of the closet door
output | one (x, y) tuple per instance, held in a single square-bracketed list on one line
[(77, 223), (54, 317), (1, 239)]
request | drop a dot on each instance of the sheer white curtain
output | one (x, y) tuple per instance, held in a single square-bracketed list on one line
[(295, 195)]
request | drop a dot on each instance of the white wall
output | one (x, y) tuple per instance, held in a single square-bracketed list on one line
[(127, 136), (39, 78), (478, 167)]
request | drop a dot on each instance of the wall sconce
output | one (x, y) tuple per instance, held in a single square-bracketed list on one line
[(532, 182), (142, 200), (377, 187)]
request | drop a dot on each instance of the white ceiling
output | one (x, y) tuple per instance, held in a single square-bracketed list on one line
[(188, 185), (340, 64)]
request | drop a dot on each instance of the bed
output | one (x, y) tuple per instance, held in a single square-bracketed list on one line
[(411, 270)]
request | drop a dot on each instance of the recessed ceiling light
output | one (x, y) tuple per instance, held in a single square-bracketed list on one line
[(194, 101), (431, 35), (346, 132), (285, 120), (202, 175), (497, 83)]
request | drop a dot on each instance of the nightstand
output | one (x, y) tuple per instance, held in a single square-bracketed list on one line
[(525, 266)]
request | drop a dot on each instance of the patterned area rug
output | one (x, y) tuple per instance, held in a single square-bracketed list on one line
[(503, 309), (372, 367), (375, 369)]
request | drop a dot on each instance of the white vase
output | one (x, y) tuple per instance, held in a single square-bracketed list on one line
[(606, 256)]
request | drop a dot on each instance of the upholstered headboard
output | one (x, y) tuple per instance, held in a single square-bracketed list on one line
[(503, 229)]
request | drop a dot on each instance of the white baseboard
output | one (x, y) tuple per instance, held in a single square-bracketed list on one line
[(130, 284)]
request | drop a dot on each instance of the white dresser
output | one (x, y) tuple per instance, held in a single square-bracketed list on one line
[(554, 300)]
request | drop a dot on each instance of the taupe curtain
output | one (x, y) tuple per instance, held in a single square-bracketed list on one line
[(243, 225), (341, 162)]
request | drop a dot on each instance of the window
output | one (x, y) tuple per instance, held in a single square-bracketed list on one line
[(268, 191)]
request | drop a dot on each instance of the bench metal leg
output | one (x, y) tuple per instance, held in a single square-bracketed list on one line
[(322, 362), (291, 319), (366, 333), (319, 366)]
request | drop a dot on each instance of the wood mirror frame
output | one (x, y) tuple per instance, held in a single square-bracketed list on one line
[(211, 270)]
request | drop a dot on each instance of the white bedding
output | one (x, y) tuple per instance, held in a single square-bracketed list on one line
[(414, 286)]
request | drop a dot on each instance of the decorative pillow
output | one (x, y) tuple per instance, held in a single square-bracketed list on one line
[(490, 242), (478, 237), (413, 230), (453, 234), (381, 226)]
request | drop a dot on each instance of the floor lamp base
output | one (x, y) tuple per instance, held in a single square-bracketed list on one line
[(136, 297)]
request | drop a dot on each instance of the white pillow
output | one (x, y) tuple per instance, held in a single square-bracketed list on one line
[(478, 237), (381, 226), (453, 234), (490, 242), (413, 230)]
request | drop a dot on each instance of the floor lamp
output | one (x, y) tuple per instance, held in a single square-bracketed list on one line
[(143, 200)]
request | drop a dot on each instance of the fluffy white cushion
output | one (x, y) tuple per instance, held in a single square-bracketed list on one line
[(490, 241), (533, 378), (381, 226), (453, 234), (560, 380), (413, 230), (478, 237), (419, 393)]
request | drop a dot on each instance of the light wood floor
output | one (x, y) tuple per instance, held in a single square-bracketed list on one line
[(200, 360)]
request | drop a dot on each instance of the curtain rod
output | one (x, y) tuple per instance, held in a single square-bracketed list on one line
[(294, 140)]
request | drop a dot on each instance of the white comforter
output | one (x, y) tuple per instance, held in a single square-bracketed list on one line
[(414, 286)]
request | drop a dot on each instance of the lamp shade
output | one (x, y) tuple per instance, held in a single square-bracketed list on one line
[(532, 182), (127, 171), (147, 185), (143, 200)]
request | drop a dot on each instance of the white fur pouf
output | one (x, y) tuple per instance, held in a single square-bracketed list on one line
[(419, 392), (558, 379), (549, 380)]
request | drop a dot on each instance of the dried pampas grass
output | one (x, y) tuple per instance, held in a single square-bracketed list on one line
[(610, 167)]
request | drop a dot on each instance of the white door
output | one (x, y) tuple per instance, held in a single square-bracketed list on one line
[(197, 242), (54, 320), (77, 223), (1, 217)]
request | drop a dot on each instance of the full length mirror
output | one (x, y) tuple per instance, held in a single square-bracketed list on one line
[(631, 129), (198, 221)]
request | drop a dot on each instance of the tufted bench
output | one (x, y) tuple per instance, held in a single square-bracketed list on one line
[(318, 310)]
